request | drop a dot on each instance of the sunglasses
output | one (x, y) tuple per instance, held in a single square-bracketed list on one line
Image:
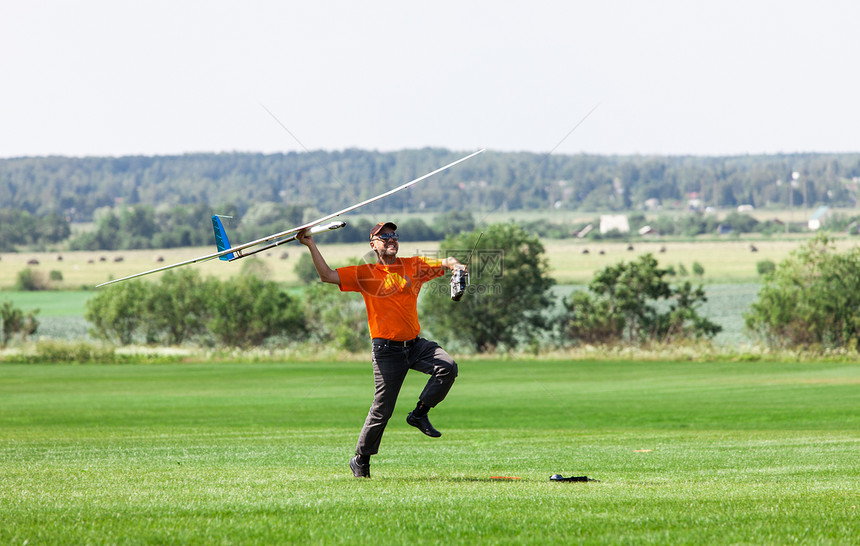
[(388, 236)]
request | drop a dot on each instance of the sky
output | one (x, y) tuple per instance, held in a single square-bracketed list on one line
[(673, 77)]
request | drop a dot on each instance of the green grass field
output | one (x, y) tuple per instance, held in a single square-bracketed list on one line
[(256, 453), (50, 303)]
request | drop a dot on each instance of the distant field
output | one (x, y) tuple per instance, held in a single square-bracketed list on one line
[(86, 269), (729, 260), (724, 261), (685, 453), (61, 312), (53, 303)]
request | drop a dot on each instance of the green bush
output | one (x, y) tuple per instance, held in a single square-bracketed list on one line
[(305, 269), (256, 267), (506, 304), (15, 322), (591, 320), (178, 308), (810, 299), (698, 269), (31, 280), (765, 266), (247, 310), (182, 306), (621, 305), (335, 318), (117, 312)]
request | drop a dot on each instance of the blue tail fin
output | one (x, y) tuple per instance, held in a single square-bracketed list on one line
[(221, 240)]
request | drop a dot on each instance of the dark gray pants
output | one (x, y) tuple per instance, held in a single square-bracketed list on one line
[(390, 365)]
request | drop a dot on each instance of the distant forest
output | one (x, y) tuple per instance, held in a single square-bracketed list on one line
[(51, 188), (77, 187)]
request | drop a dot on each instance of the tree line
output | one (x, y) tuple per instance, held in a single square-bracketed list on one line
[(21, 228), (166, 201), (77, 188), (146, 227), (143, 227)]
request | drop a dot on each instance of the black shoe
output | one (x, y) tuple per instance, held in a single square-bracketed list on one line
[(423, 424), (359, 470)]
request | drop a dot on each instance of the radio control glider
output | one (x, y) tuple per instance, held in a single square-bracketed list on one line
[(227, 252)]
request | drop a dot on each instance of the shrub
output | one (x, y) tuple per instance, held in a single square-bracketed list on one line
[(698, 269), (811, 298), (257, 268), (509, 294), (117, 312), (765, 266), (305, 269), (14, 321), (239, 312), (178, 308), (335, 318), (31, 280), (621, 305), (247, 310), (590, 320)]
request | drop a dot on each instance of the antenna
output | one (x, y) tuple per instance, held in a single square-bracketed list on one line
[(473, 249)]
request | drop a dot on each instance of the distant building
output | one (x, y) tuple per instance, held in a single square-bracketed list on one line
[(652, 203), (745, 208), (609, 222), (818, 218)]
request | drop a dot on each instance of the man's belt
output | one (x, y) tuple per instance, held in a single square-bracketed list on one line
[(392, 343)]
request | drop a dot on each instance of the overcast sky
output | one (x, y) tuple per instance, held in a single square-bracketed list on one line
[(113, 77)]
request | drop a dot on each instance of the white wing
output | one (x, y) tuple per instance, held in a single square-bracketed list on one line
[(293, 231)]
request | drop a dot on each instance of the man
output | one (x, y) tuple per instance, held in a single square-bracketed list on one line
[(390, 289)]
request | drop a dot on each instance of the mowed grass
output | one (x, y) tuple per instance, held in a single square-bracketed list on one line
[(256, 453)]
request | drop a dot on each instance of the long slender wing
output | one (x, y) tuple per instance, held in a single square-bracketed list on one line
[(294, 230), (166, 267), (353, 207), (291, 237)]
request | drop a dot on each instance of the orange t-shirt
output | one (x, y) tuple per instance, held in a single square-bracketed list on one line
[(391, 293)]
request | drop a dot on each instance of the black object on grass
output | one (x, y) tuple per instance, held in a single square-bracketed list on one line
[(560, 478)]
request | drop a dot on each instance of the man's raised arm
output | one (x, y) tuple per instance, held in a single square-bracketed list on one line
[(326, 273)]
